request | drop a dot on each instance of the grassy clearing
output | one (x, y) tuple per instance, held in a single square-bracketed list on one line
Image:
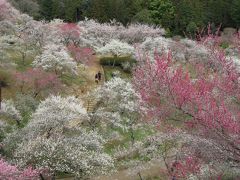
[(110, 70)]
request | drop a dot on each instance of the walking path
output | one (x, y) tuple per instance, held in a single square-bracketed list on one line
[(88, 73)]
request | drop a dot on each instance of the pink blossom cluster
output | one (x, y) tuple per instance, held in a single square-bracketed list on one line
[(70, 32), (12, 172), (81, 54), (38, 80), (207, 104)]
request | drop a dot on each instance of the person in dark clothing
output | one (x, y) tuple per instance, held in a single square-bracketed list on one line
[(96, 78), (99, 75)]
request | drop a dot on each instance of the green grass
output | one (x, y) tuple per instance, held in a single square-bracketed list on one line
[(139, 134), (70, 80), (109, 70), (17, 59)]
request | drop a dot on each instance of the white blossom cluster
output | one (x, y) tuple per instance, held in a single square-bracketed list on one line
[(136, 33), (120, 94), (183, 50), (54, 113), (116, 48), (118, 103), (8, 109), (48, 142), (81, 155), (97, 35), (55, 58)]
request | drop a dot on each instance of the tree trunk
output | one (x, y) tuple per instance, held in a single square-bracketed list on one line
[(41, 176), (132, 136), (140, 176), (23, 58), (78, 16), (0, 97), (114, 60)]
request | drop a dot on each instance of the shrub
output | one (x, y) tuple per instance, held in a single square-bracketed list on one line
[(224, 45), (118, 61)]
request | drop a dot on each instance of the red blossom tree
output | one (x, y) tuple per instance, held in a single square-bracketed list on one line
[(9, 172), (37, 81), (81, 55), (208, 104), (184, 168), (70, 32)]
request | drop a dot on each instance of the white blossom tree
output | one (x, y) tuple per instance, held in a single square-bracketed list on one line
[(55, 113), (185, 50), (117, 106), (82, 155), (55, 58), (116, 48), (8, 110), (49, 142), (137, 33), (97, 35)]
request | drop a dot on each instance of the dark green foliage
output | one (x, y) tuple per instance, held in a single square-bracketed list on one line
[(162, 12), (5, 78), (116, 61), (178, 16), (235, 12), (224, 45)]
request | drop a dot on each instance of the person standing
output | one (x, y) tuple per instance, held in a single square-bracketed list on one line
[(99, 75), (96, 78)]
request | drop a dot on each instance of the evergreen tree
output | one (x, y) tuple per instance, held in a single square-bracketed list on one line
[(235, 12), (46, 9)]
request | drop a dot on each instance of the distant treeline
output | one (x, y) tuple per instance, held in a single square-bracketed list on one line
[(176, 16)]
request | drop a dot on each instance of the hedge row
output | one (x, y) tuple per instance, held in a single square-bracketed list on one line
[(116, 61)]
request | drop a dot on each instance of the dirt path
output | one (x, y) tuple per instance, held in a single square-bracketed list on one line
[(149, 171), (89, 73)]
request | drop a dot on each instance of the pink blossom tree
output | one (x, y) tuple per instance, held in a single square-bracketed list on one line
[(6, 10), (82, 55), (70, 33), (208, 105), (9, 172), (38, 81)]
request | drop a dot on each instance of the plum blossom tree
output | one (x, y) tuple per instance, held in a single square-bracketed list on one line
[(70, 33), (117, 106), (183, 155), (37, 81), (55, 58), (8, 109), (35, 33), (7, 27), (137, 33), (19, 45), (116, 48), (48, 119), (81, 55), (50, 143), (8, 171), (205, 104), (82, 156), (97, 35), (7, 12), (184, 50)]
